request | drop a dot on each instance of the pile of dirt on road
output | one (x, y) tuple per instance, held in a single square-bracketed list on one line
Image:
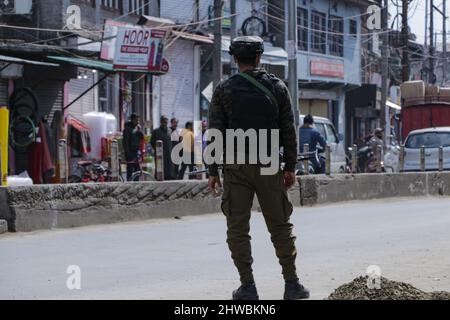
[(389, 290)]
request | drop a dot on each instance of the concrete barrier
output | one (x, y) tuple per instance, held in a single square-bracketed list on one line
[(3, 226), (72, 205), (314, 190)]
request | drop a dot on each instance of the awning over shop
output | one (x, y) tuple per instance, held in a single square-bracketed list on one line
[(393, 105), (9, 59), (95, 64), (272, 55), (87, 63), (193, 37), (77, 124)]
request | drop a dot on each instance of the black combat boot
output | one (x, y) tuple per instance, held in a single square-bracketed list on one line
[(246, 291), (294, 290)]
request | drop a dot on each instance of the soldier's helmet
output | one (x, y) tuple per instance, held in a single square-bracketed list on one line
[(246, 46)]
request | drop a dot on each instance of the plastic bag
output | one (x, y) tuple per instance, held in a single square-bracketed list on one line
[(22, 179)]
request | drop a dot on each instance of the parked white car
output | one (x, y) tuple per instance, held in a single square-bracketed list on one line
[(432, 139), (327, 130)]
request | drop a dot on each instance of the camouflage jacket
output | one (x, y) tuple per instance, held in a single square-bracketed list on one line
[(220, 112)]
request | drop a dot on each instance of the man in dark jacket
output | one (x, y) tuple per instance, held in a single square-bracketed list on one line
[(240, 103), (311, 136), (163, 133), (132, 139)]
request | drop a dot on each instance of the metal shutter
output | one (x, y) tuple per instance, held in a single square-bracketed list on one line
[(3, 92), (177, 93), (50, 95), (76, 88)]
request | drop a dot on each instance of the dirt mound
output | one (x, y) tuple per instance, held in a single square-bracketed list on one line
[(390, 290)]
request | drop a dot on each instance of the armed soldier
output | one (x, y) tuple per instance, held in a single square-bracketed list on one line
[(253, 99)]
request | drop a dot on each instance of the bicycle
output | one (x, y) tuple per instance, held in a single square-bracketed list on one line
[(139, 175), (90, 171)]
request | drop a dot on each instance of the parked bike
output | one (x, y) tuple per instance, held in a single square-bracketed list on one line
[(314, 159), (140, 174), (90, 171), (367, 161)]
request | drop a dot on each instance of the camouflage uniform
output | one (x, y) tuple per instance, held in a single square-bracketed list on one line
[(241, 182)]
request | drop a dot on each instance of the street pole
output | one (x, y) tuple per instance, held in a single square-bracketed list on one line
[(405, 36), (425, 44), (233, 34), (217, 47), (384, 71), (444, 40), (291, 47), (431, 60)]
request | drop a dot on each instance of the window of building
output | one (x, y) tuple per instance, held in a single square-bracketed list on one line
[(302, 32), (319, 32), (90, 2), (353, 28), (113, 4), (336, 36), (139, 7)]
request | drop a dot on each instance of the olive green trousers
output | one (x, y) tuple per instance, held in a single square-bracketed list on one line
[(241, 182)]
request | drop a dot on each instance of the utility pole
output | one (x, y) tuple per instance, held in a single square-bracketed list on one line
[(426, 25), (425, 42), (405, 36), (444, 40), (431, 58), (233, 34), (384, 71), (291, 48), (217, 47)]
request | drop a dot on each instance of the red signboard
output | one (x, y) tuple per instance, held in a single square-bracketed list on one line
[(324, 68)]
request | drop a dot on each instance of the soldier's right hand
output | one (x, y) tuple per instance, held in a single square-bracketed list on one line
[(288, 179), (214, 185)]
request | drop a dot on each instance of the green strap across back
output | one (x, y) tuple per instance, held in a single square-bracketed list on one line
[(259, 86)]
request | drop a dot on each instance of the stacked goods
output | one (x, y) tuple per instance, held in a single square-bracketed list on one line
[(97, 130), (432, 91), (444, 92), (412, 89), (111, 124)]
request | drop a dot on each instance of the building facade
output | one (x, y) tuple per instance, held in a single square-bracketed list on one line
[(329, 57), (329, 53)]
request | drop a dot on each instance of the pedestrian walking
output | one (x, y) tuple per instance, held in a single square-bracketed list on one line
[(163, 133), (132, 141), (175, 133), (187, 136)]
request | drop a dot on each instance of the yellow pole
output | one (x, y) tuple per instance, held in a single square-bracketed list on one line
[(4, 129)]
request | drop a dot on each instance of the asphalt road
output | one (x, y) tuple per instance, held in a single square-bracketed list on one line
[(408, 239)]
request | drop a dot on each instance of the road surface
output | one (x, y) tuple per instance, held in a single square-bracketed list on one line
[(408, 239)]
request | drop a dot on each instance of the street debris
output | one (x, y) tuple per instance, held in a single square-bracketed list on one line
[(390, 290)]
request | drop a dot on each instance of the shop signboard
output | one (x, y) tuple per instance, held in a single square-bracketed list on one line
[(135, 48)]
